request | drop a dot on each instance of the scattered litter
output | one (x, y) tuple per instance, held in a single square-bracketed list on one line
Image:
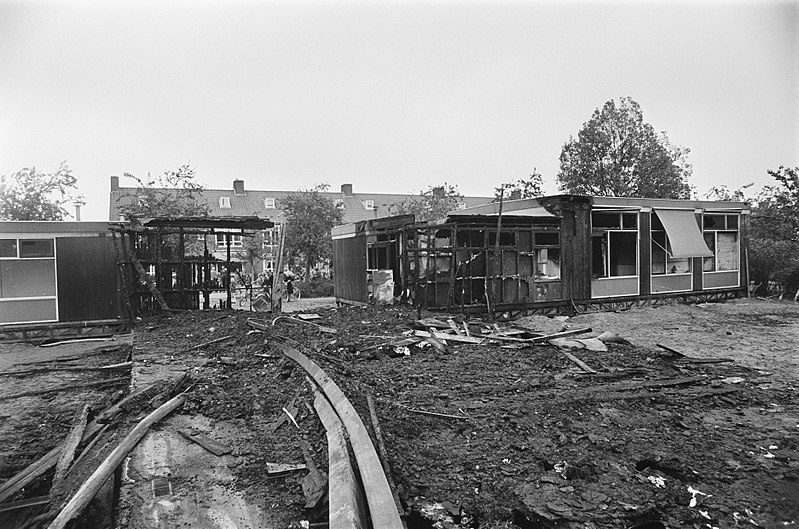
[(732, 380), (310, 316), (215, 447), (657, 481), (284, 468), (694, 493), (612, 337)]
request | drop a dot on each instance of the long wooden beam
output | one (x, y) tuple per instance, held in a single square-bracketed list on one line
[(378, 494), (92, 485), (345, 498)]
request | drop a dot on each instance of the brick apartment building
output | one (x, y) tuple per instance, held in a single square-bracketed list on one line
[(267, 204)]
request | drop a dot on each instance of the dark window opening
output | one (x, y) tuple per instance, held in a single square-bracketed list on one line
[(506, 238), (547, 239), (623, 254), (36, 248)]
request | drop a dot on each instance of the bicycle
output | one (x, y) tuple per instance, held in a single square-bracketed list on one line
[(295, 294)]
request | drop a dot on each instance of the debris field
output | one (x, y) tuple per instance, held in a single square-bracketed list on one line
[(533, 422)]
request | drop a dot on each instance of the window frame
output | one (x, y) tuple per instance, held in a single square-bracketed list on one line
[(24, 259), (268, 201), (235, 240), (224, 203)]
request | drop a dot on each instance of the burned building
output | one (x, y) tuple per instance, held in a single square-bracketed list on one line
[(561, 253)]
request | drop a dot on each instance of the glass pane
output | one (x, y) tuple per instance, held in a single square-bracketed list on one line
[(599, 252), (36, 248), (713, 222), (732, 222), (658, 253), (678, 266), (623, 252), (727, 253), (547, 239), (629, 221), (606, 220), (8, 248), (709, 263), (23, 279)]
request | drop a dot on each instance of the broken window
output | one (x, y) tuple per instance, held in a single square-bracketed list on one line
[(614, 254), (662, 261), (547, 255), (721, 236), (614, 220)]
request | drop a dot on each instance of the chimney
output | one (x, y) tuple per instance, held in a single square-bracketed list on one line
[(238, 187), (438, 192), (346, 190), (114, 183), (77, 208)]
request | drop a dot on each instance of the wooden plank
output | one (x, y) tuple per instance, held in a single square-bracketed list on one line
[(284, 468), (563, 334), (89, 489), (33, 393), (669, 349), (200, 346), (70, 445), (215, 447), (445, 336), (378, 493), (582, 365), (23, 504), (381, 446), (345, 497)]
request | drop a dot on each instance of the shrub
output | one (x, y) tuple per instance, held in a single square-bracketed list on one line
[(318, 287)]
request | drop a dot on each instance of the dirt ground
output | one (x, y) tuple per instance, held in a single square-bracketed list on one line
[(525, 437)]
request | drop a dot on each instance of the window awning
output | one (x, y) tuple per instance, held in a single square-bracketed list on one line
[(685, 239)]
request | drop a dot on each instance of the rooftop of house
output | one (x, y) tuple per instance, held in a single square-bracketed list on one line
[(238, 201)]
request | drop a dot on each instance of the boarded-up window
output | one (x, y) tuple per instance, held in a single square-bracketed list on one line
[(727, 251)]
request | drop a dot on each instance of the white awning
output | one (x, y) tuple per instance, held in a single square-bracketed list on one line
[(685, 238)]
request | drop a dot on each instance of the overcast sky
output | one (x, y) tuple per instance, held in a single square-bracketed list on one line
[(389, 96)]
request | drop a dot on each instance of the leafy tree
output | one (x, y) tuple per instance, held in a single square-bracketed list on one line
[(522, 188), (774, 235), (175, 193), (251, 251), (617, 153), (31, 195), (432, 204), (310, 216)]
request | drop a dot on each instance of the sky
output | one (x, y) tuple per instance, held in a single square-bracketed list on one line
[(391, 96)]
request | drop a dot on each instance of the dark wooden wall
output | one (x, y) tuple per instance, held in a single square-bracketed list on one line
[(349, 273), (576, 251), (88, 284)]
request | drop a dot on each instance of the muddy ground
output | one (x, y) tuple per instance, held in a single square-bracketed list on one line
[(528, 439)]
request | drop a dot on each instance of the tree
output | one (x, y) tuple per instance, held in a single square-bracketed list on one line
[(617, 153), (310, 217), (774, 235), (522, 188), (31, 195), (175, 193), (435, 203), (251, 251)]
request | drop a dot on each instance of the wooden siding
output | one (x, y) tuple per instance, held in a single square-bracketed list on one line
[(349, 274), (88, 286), (576, 252)]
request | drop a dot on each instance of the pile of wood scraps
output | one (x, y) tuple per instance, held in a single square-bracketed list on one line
[(82, 454)]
